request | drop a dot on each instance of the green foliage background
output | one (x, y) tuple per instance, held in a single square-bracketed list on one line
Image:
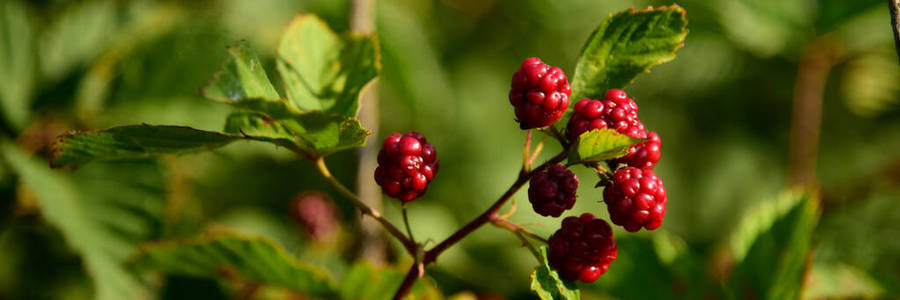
[(722, 108)]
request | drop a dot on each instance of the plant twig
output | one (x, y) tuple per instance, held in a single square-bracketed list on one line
[(526, 150), (365, 209), (486, 216), (415, 272), (527, 244), (894, 6), (406, 222), (516, 228)]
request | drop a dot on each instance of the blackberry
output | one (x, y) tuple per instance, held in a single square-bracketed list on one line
[(636, 198), (406, 164), (552, 190), (582, 248), (540, 94)]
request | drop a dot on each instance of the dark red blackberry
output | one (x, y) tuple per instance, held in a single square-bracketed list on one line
[(582, 248), (406, 164), (616, 111), (552, 190), (540, 94), (636, 198), (643, 155)]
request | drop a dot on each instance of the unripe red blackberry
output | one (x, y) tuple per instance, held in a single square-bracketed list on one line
[(540, 94), (316, 214), (636, 198), (615, 111), (582, 248), (552, 190), (406, 164), (643, 155)]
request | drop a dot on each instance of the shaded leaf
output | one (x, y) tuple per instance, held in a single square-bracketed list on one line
[(600, 145), (132, 142), (547, 284), (322, 70), (254, 259), (771, 247), (17, 64), (840, 281), (242, 77), (101, 217), (624, 46), (314, 133)]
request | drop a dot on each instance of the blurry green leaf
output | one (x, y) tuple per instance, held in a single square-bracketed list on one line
[(869, 82), (16, 63), (132, 142), (255, 259), (624, 46), (100, 217), (768, 27), (323, 71), (547, 284), (599, 145), (314, 133), (840, 281), (77, 35), (365, 281), (242, 77), (771, 247)]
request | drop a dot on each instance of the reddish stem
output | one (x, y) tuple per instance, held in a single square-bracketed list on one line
[(486, 216)]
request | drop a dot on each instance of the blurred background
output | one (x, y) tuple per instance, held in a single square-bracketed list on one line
[(751, 72)]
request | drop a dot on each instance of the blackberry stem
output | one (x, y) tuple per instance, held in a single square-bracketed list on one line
[(406, 222), (366, 209)]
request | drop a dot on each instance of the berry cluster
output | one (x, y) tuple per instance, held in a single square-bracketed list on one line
[(406, 164), (540, 94), (582, 248)]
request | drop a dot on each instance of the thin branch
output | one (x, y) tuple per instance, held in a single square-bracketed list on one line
[(486, 217), (894, 6), (365, 209), (526, 150), (526, 244), (406, 222), (415, 272), (518, 229)]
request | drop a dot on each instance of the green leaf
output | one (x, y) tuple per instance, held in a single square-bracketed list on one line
[(102, 218), (255, 259), (547, 284), (313, 133), (132, 142), (242, 77), (599, 145), (771, 247), (17, 63), (841, 281), (624, 46), (324, 71)]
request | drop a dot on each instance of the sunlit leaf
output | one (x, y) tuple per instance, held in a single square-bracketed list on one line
[(226, 254), (624, 46), (547, 284), (322, 70), (314, 133), (242, 77), (599, 145)]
